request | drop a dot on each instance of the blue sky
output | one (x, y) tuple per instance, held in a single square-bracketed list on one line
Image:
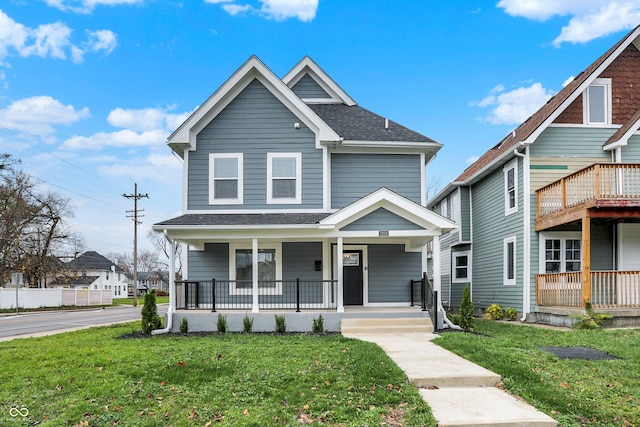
[(90, 89)]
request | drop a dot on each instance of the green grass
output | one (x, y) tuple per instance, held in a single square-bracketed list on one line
[(574, 392), (90, 378), (129, 301)]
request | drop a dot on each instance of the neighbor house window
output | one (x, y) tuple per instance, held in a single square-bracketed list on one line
[(225, 171), (241, 270), (597, 102), (561, 252), (509, 262), (511, 187), (461, 267), (284, 178)]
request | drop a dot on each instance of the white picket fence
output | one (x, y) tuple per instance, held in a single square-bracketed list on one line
[(53, 297)]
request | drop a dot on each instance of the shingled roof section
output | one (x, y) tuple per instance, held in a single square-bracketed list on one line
[(92, 260), (631, 125), (526, 129), (245, 219), (355, 123)]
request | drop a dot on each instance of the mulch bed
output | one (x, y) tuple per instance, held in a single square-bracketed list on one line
[(582, 353)]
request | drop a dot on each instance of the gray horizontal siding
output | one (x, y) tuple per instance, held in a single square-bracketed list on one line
[(572, 142), (306, 87), (353, 176), (631, 153), (211, 263), (298, 260), (390, 271), (381, 219), (255, 123), (465, 214)]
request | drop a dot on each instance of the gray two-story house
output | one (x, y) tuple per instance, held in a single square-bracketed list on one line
[(295, 197), (549, 218)]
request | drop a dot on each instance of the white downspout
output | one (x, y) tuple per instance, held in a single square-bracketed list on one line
[(526, 271), (172, 288)]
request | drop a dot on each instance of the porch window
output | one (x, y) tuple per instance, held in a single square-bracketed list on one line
[(284, 182), (461, 267), (562, 255), (510, 188), (597, 104), (509, 248), (241, 270), (225, 171)]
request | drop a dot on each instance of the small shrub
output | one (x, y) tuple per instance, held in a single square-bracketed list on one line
[(247, 324), (184, 325), (318, 325), (511, 313), (281, 328), (494, 312), (222, 324), (454, 318), (150, 318), (466, 311), (590, 319)]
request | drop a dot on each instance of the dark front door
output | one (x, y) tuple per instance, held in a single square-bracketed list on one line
[(352, 277)]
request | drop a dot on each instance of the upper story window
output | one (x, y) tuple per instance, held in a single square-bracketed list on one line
[(284, 178), (511, 187), (444, 208), (455, 207), (225, 172), (597, 102)]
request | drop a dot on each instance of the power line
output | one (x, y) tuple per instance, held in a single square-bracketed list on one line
[(135, 214)]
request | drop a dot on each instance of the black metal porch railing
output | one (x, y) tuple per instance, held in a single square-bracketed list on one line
[(272, 294), (422, 294)]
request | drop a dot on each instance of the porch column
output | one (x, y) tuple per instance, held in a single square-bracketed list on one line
[(255, 308), (437, 279), (340, 277), (586, 258), (172, 278)]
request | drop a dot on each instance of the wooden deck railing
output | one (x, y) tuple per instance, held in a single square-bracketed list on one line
[(598, 181), (609, 289)]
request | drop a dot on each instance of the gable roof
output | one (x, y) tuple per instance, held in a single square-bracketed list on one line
[(622, 135), (307, 67), (92, 260), (528, 131)]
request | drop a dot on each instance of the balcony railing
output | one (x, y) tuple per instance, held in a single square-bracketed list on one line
[(272, 295), (609, 289), (598, 181)]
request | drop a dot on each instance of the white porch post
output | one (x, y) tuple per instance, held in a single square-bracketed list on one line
[(255, 308), (437, 283), (340, 277), (172, 279)]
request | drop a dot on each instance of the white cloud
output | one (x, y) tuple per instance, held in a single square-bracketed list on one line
[(471, 160), (121, 138), (39, 115), (280, 10), (515, 106), (146, 119), (146, 168), (590, 19), (87, 6), (49, 41)]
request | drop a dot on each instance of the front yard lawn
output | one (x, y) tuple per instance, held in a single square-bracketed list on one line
[(92, 378), (574, 392)]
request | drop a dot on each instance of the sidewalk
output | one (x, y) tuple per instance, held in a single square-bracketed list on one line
[(460, 393)]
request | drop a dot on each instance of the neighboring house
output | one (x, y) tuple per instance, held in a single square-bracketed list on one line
[(158, 280), (288, 179), (93, 271), (549, 218)]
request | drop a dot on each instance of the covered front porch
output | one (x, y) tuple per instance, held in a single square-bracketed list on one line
[(589, 224)]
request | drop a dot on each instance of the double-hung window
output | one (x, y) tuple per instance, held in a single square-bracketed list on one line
[(269, 272), (597, 102), (509, 261), (225, 172), (510, 187), (284, 178), (461, 266)]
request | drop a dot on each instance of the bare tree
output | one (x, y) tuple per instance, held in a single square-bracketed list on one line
[(161, 244)]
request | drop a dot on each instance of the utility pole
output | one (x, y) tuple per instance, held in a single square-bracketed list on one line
[(135, 214)]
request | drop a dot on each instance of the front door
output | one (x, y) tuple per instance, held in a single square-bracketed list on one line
[(352, 277)]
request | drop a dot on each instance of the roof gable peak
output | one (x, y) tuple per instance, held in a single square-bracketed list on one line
[(308, 66)]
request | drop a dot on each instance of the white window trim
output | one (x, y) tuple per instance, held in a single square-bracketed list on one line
[(511, 165), (288, 200), (606, 82), (456, 279), (444, 207), (233, 290), (455, 206), (563, 237), (235, 201), (505, 245)]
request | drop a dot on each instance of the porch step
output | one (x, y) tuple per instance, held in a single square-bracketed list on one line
[(363, 326)]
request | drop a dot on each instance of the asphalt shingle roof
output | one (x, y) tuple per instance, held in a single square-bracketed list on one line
[(359, 124), (246, 219), (92, 260)]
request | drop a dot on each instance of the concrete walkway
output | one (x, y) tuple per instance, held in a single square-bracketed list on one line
[(460, 393)]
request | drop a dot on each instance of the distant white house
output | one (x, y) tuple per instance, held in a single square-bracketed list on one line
[(94, 271)]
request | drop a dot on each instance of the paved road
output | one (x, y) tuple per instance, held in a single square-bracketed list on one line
[(46, 323)]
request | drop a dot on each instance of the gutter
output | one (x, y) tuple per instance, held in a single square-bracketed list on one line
[(526, 273), (172, 290)]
